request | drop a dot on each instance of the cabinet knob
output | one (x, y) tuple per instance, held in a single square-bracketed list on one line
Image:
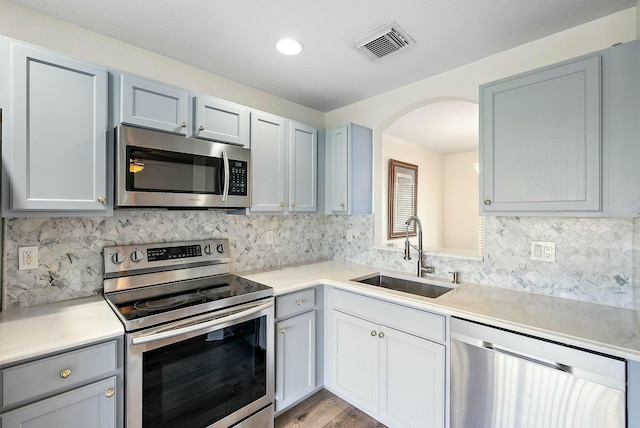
[(201, 128), (374, 333), (487, 201), (282, 204), (293, 205), (183, 124), (101, 199), (381, 335), (110, 393), (282, 330), (65, 373), (298, 302), (342, 204)]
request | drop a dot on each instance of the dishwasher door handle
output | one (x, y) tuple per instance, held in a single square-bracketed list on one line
[(530, 358)]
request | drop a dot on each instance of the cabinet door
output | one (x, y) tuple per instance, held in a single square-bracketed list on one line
[(339, 171), (220, 120), (356, 360), (55, 144), (92, 406), (303, 164), (413, 380), (295, 359), (268, 163), (153, 105), (541, 140)]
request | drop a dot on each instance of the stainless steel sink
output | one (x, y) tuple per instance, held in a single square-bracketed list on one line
[(418, 287)]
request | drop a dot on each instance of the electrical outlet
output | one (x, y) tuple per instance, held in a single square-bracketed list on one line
[(269, 237), (544, 251), (349, 235), (28, 257)]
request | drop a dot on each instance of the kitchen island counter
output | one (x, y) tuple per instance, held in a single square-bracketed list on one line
[(607, 329)]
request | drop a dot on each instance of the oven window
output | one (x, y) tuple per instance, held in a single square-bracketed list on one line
[(153, 170), (199, 381)]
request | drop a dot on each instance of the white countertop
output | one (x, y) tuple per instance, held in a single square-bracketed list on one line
[(601, 328), (39, 330)]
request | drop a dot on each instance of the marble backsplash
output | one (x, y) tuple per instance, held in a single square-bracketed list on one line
[(595, 258)]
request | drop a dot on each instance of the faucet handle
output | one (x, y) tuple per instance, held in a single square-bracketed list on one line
[(428, 269)]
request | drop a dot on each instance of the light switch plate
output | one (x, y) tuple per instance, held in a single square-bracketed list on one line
[(544, 251), (28, 257)]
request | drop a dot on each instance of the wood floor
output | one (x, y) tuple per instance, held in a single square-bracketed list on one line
[(325, 410)]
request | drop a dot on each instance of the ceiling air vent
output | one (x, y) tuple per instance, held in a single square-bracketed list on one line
[(383, 41)]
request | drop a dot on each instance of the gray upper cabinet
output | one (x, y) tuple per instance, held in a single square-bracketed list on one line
[(153, 105), (541, 139), (349, 154), (284, 165), (220, 120), (303, 165), (54, 133), (621, 130), (563, 140), (268, 163)]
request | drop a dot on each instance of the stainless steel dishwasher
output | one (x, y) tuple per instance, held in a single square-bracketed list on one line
[(503, 379)]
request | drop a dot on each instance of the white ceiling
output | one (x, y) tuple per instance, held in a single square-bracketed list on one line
[(445, 127), (236, 38)]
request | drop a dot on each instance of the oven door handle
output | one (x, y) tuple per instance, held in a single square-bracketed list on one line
[(225, 190), (177, 331)]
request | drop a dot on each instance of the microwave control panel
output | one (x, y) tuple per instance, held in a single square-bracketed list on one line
[(238, 178)]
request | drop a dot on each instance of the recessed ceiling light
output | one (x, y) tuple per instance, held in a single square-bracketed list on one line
[(289, 47)]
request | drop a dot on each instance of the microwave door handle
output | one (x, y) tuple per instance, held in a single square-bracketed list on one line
[(225, 190)]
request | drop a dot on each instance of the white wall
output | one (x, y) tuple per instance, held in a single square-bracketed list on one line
[(460, 201), (430, 186), (27, 25), (462, 83)]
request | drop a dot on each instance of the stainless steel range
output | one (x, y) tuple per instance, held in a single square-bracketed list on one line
[(199, 341)]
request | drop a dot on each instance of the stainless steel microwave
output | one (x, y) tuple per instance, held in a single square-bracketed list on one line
[(161, 170)]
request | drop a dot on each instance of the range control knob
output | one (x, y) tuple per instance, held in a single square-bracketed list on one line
[(207, 249), (118, 257), (220, 248), (137, 255)]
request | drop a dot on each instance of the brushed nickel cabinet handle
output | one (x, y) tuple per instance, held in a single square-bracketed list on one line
[(101, 199), (381, 335), (183, 124), (282, 204), (298, 302), (110, 393), (487, 201), (374, 333), (65, 373), (282, 330), (201, 128)]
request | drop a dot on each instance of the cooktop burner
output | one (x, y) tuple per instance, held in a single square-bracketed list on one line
[(186, 298)]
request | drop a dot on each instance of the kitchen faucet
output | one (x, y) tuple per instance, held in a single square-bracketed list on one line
[(408, 245)]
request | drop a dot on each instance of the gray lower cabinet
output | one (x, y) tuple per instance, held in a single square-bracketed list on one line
[(388, 359), (79, 388), (91, 406), (295, 348), (54, 133)]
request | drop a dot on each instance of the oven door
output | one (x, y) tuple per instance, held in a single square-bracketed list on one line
[(212, 370)]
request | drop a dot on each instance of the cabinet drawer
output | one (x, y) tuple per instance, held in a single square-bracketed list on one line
[(45, 376), (413, 321), (295, 303)]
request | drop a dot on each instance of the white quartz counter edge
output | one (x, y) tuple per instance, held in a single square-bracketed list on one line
[(622, 344), (27, 333)]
